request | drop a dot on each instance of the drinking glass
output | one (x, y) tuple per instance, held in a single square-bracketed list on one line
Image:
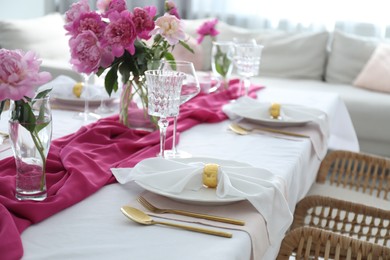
[(222, 61), (190, 89), (247, 61), (86, 115), (164, 89), (103, 108)]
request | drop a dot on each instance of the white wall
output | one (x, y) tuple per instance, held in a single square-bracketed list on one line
[(24, 9)]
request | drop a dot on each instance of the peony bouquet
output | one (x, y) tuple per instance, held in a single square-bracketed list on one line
[(121, 41), (19, 80)]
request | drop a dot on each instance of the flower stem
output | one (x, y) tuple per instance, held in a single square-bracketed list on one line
[(38, 145)]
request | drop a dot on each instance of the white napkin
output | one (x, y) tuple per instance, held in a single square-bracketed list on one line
[(264, 190), (62, 87), (319, 121)]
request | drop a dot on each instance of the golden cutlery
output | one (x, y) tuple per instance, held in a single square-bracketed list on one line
[(244, 131), (144, 219), (154, 209)]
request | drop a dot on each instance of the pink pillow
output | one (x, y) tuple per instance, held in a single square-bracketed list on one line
[(181, 53), (375, 75)]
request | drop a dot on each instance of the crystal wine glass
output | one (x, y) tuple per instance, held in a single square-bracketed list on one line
[(164, 89), (103, 108), (247, 61), (189, 90), (86, 115)]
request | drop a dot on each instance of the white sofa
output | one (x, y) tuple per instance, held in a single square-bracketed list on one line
[(323, 62), (320, 61)]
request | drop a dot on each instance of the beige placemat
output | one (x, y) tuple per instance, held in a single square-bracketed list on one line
[(255, 225)]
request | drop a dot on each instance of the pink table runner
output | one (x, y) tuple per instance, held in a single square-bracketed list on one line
[(79, 164)]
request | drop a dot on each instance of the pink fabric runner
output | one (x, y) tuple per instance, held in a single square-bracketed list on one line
[(79, 164)]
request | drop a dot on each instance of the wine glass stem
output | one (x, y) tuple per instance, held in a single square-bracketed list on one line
[(174, 134), (247, 84), (87, 78), (162, 124)]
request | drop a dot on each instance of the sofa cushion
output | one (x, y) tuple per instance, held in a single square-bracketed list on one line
[(376, 73), (293, 55), (44, 35), (181, 53), (348, 55)]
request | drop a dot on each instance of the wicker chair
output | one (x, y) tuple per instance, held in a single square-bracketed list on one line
[(314, 243), (344, 217), (356, 171)]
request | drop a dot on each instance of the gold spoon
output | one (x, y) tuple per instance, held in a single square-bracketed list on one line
[(243, 131), (144, 219)]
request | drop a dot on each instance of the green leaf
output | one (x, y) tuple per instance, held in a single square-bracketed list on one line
[(2, 105), (111, 80), (43, 94), (169, 56), (26, 116)]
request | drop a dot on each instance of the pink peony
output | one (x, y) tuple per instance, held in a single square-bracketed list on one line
[(75, 11), (170, 28), (143, 21), (88, 21), (171, 9), (207, 28), (120, 33), (103, 5), (87, 54), (114, 6), (19, 74)]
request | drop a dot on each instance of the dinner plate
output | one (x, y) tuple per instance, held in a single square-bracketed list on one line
[(204, 196), (262, 116), (81, 102)]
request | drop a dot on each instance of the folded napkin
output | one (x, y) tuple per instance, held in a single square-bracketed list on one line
[(317, 127), (62, 87), (79, 165), (264, 190)]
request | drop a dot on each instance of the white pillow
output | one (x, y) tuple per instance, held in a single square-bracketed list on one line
[(44, 35), (293, 55), (376, 73), (348, 55)]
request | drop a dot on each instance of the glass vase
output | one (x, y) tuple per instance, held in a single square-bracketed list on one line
[(133, 107), (30, 144), (222, 61)]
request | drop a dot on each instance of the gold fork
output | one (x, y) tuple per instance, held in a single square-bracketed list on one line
[(154, 209)]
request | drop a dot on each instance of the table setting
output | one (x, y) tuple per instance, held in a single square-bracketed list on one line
[(228, 161)]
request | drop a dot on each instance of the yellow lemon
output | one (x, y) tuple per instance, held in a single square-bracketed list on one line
[(275, 110), (77, 89), (210, 175)]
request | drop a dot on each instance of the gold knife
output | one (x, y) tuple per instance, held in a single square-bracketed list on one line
[(154, 209)]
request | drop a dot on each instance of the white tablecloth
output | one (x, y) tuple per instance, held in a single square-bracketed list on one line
[(95, 228)]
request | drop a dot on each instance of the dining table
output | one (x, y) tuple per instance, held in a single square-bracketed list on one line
[(95, 228)]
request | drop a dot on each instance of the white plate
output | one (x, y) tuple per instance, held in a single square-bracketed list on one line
[(263, 117), (204, 196), (81, 102)]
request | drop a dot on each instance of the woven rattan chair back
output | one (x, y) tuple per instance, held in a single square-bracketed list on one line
[(356, 171), (314, 243), (344, 217)]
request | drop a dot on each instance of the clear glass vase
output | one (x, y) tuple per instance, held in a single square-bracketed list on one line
[(133, 107), (222, 62), (30, 144)]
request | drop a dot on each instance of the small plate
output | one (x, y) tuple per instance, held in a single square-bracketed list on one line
[(263, 117), (204, 196), (81, 102)]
